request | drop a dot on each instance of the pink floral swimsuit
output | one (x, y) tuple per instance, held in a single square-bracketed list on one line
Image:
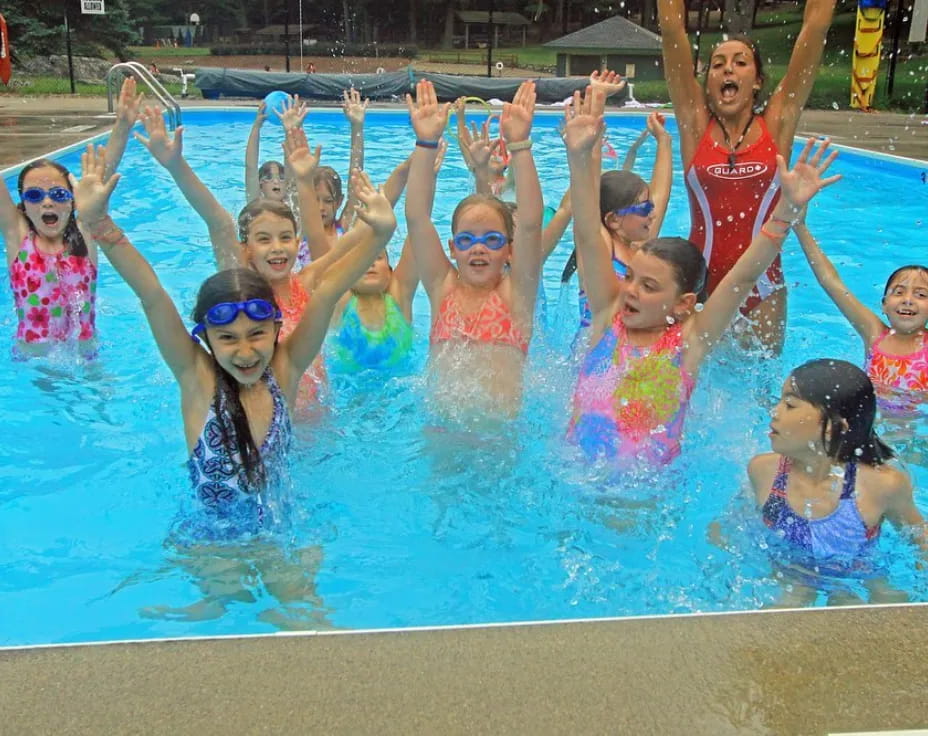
[(54, 295), (900, 381)]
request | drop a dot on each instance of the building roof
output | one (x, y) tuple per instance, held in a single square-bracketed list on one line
[(499, 19), (616, 33)]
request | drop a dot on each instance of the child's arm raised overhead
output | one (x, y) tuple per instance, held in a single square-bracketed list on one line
[(13, 224), (127, 112), (91, 196), (375, 225), (516, 128), (223, 233), (798, 186), (355, 111), (662, 173), (868, 325), (582, 133), (428, 121), (253, 155), (556, 227)]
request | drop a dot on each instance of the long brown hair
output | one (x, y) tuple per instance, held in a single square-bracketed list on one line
[(73, 240)]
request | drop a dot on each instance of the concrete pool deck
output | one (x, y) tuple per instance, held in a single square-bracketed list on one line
[(32, 126), (818, 671)]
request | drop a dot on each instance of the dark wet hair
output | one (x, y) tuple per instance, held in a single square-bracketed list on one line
[(258, 207), (234, 285), (902, 269), (267, 169), (329, 176), (73, 240), (843, 393), (618, 189), (490, 201), (758, 59), (686, 260)]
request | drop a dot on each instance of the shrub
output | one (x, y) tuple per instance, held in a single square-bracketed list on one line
[(323, 48)]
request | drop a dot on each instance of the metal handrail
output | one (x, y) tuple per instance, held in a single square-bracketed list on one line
[(142, 74)]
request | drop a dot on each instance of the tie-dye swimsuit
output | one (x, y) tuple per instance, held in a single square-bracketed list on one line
[(355, 347), (492, 323), (900, 381), (630, 402)]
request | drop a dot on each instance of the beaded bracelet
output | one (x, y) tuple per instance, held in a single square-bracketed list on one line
[(427, 144), (519, 145)]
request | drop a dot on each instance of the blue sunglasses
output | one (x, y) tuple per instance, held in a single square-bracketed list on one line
[(35, 195), (225, 312), (642, 209), (493, 240)]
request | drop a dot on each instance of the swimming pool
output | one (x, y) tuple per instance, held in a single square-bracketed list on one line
[(404, 524)]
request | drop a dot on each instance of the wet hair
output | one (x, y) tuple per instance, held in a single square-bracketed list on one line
[(758, 59), (843, 393), (895, 274), (73, 240), (258, 207), (267, 169), (234, 285), (490, 201), (686, 261), (618, 189), (328, 176)]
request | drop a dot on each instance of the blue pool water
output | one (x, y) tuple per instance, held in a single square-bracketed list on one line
[(403, 523)]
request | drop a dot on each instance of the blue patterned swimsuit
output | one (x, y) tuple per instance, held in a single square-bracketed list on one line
[(230, 507), (840, 542)]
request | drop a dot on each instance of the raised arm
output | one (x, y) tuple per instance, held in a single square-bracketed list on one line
[(791, 94), (631, 155), (463, 134), (253, 155), (481, 152), (662, 173), (355, 110), (688, 98), (376, 224), (91, 196), (428, 121), (556, 227), (223, 233), (13, 224), (866, 322), (798, 186), (582, 134), (607, 83), (516, 127), (127, 112)]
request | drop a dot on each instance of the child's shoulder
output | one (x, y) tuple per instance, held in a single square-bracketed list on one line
[(887, 481), (762, 469)]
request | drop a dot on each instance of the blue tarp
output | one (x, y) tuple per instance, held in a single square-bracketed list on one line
[(216, 82)]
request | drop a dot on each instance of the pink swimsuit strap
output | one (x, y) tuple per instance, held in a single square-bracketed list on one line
[(492, 323)]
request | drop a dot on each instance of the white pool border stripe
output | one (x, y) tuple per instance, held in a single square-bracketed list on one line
[(821, 611), (548, 112)]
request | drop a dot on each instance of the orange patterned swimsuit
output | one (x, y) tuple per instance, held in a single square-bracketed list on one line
[(900, 381), (292, 311), (492, 323)]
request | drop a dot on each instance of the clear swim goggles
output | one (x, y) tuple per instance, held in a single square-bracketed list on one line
[(36, 195), (493, 240), (226, 312)]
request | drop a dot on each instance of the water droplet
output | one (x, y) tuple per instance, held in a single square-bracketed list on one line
[(835, 105), (859, 451), (718, 223), (670, 320), (699, 307)]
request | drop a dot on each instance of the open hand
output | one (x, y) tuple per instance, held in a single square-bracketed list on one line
[(292, 112), (167, 151), (127, 107), (373, 207), (92, 192), (352, 106), (802, 182), (607, 82), (299, 158), (427, 116), (582, 129), (656, 126), (516, 121)]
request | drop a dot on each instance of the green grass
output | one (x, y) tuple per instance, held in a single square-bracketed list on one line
[(145, 52), (27, 86)]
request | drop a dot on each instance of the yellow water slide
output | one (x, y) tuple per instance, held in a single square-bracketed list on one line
[(868, 41)]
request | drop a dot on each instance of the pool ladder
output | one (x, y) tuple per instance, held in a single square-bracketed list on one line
[(170, 105)]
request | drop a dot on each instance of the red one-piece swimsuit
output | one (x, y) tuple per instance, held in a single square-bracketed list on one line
[(729, 204)]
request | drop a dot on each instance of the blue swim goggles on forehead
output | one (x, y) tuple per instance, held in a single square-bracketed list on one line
[(226, 312), (493, 240), (642, 209), (35, 195)]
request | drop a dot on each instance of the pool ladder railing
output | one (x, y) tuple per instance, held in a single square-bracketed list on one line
[(170, 105)]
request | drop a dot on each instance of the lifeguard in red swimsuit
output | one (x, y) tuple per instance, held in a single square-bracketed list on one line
[(729, 151)]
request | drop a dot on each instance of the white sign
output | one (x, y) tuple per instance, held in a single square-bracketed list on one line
[(919, 22), (92, 7)]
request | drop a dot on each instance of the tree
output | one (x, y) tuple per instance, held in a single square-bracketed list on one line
[(37, 29), (738, 16)]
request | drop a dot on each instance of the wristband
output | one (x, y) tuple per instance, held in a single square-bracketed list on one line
[(519, 145), (772, 236), (788, 223), (107, 232), (427, 144)]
